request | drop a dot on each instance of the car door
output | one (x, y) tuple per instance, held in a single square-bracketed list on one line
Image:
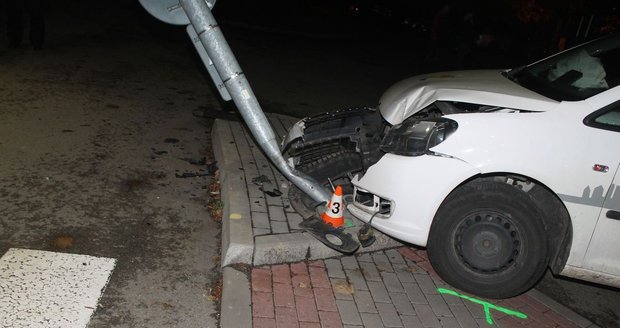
[(603, 253)]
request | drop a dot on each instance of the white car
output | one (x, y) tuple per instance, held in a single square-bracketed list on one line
[(499, 173)]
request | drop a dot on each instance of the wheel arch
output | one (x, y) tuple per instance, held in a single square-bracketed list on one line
[(555, 215)]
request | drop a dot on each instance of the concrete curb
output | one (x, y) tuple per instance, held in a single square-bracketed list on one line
[(561, 309), (237, 247), (236, 299)]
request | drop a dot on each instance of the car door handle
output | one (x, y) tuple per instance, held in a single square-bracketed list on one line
[(613, 214)]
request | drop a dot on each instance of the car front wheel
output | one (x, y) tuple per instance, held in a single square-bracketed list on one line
[(488, 239)]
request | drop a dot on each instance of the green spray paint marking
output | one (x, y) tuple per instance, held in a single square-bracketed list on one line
[(486, 305)]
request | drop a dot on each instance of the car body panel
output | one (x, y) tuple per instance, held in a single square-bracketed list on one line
[(486, 87)]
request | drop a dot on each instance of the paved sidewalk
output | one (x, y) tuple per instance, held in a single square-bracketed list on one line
[(289, 279)]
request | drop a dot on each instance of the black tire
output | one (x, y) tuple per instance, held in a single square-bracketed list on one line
[(488, 239), (334, 167)]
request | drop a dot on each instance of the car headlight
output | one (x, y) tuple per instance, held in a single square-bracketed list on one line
[(415, 136)]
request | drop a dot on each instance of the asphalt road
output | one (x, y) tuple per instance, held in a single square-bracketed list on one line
[(94, 129)]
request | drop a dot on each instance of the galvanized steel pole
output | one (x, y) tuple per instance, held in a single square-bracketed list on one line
[(226, 64)]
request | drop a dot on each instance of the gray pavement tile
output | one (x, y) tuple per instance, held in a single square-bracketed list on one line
[(260, 220), (392, 284), (334, 268), (257, 204), (356, 278), (349, 262), (382, 262), (351, 326), (342, 289), (348, 312), (261, 231), (394, 256), (279, 227), (372, 320), (294, 220), (388, 315), (276, 213), (254, 191), (411, 321), (449, 322), (365, 257), (426, 315), (426, 283), (370, 271), (378, 291), (438, 305), (415, 294), (463, 316), (364, 301), (476, 310), (402, 303), (403, 273)]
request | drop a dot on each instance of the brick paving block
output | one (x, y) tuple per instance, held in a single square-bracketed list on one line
[(535, 304), (509, 322), (349, 262), (422, 253), (382, 262), (409, 253), (415, 294), (286, 317), (309, 325), (261, 280), (364, 302), (260, 220), (439, 306), (537, 318), (559, 320), (451, 299), (281, 273), (411, 321), (402, 303), (403, 273), (462, 315), (262, 305), (306, 309), (348, 312), (299, 268), (330, 319), (370, 271), (394, 256), (426, 283), (514, 302), (294, 220), (325, 300), (319, 277), (449, 322), (301, 285), (261, 232), (388, 315), (316, 263), (426, 315), (378, 291), (342, 289), (263, 323), (364, 257), (426, 265), (258, 205), (392, 283), (413, 267), (356, 278), (334, 268), (283, 295), (371, 320), (279, 227)]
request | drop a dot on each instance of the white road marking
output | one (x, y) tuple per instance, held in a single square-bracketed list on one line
[(47, 289)]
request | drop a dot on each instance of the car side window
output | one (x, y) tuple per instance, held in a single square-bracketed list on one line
[(607, 118)]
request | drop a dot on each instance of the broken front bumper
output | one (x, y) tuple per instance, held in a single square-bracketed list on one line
[(403, 193)]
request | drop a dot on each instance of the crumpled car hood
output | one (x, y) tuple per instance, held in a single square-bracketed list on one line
[(485, 87)]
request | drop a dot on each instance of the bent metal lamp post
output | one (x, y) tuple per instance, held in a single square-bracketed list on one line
[(230, 80)]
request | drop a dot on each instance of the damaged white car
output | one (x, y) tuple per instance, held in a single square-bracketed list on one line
[(499, 173)]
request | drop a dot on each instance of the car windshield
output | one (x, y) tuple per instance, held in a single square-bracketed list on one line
[(575, 74)]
